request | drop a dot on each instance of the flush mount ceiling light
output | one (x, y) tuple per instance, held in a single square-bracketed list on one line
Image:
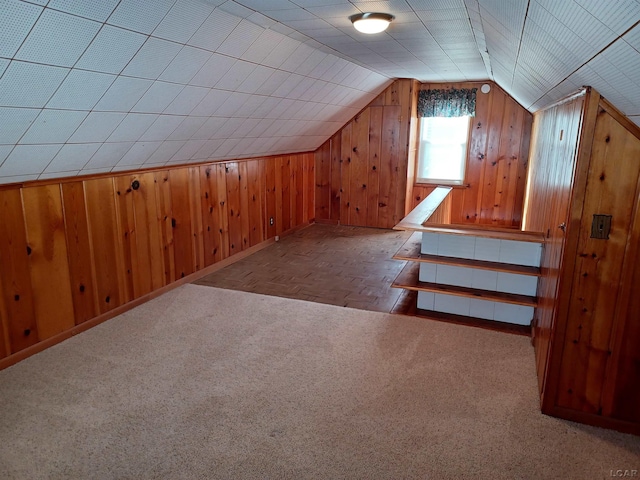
[(371, 22)]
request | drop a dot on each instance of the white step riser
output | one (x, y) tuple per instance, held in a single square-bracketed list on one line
[(472, 307)]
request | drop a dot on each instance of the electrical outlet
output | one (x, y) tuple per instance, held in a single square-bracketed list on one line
[(271, 221)]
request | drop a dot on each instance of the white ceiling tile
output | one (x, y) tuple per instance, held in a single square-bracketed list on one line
[(215, 30), (210, 127), (97, 127), (618, 15), (140, 15), (183, 20), (236, 75), (288, 85), (162, 128), (108, 155), (111, 50), (138, 154), (14, 122), (99, 11), (208, 148), (255, 79), (635, 119), (5, 150), (4, 63), (273, 4), (53, 126), (250, 107), (185, 65), (72, 156), (48, 176), (132, 127), (81, 90), (58, 39), (187, 129), (276, 57), (28, 159), (29, 85), (165, 151), (123, 94), (210, 103), (212, 71), (150, 61), (272, 82), (231, 105), (239, 41), (158, 97), (16, 22), (236, 9), (267, 42), (633, 37), (187, 100), (187, 151)]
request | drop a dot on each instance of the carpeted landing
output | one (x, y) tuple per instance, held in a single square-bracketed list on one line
[(204, 383)]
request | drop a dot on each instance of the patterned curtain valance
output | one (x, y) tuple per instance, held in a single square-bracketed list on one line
[(447, 103)]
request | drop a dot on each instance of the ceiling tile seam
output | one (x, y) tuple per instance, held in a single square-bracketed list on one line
[(29, 33), (486, 58), (619, 38), (524, 23), (438, 43), (337, 53)]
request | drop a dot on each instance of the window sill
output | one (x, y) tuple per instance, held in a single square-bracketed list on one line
[(441, 184)]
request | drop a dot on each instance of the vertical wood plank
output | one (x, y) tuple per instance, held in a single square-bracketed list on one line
[(336, 175), (81, 262), (255, 194), (5, 345), (210, 215), (345, 175), (285, 182), (104, 235), (197, 234), (244, 205), (233, 207), (184, 256), (14, 274), (389, 166), (223, 211), (373, 168), (358, 194), (48, 263), (271, 217), (127, 224), (323, 181), (309, 192), (294, 163), (165, 220)]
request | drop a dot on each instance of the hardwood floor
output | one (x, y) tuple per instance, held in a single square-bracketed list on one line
[(334, 264)]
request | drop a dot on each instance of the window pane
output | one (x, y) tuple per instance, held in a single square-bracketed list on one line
[(443, 149)]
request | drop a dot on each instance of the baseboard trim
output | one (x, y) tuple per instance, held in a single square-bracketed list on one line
[(82, 327)]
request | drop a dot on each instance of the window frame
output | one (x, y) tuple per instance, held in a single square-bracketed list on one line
[(434, 181)]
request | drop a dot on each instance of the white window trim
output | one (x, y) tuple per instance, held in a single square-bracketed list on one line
[(435, 181)]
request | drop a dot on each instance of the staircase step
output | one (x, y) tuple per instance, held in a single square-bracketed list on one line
[(408, 279), (410, 251)]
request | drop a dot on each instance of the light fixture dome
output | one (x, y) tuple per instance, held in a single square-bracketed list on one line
[(371, 22)]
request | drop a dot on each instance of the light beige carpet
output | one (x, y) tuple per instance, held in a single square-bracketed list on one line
[(204, 383)]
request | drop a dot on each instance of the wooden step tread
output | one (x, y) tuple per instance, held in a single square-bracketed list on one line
[(408, 279), (410, 251)]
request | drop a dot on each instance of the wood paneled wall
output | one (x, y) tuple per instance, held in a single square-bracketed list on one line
[(586, 162), (497, 160), (75, 250), (361, 172), (553, 159)]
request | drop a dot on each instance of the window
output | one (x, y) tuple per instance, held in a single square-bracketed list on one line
[(442, 151)]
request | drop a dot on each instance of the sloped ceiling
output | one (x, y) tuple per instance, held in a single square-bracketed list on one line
[(92, 86)]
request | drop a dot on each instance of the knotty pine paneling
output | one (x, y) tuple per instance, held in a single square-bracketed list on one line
[(497, 160), (361, 172), (553, 160), (76, 249), (585, 161)]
